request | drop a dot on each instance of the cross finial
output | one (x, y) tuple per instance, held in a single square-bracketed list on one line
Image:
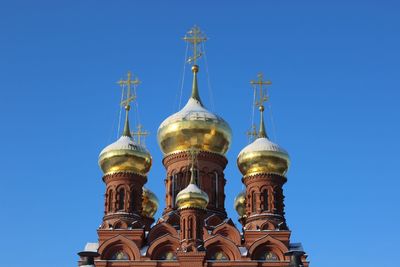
[(262, 84), (140, 133), (129, 96), (193, 157), (252, 132), (263, 97), (195, 37)]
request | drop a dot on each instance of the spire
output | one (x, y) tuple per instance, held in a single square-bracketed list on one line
[(127, 131), (262, 133), (260, 103), (195, 89), (195, 37), (127, 99)]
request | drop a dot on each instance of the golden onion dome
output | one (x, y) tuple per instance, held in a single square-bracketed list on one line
[(263, 156), (149, 204), (194, 127), (192, 196), (125, 155), (240, 204)]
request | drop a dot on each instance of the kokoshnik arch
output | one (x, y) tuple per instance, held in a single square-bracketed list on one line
[(194, 229)]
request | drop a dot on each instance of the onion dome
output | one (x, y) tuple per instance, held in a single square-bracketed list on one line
[(194, 127), (240, 204), (149, 204), (192, 196), (263, 156), (125, 155)]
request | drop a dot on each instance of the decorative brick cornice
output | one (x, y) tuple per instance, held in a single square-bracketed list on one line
[(123, 175), (203, 155), (273, 177)]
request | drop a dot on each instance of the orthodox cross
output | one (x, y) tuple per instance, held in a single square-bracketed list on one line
[(140, 133), (129, 95), (260, 82), (252, 133), (195, 37), (193, 158)]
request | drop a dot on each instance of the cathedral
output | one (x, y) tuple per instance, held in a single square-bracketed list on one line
[(194, 229)]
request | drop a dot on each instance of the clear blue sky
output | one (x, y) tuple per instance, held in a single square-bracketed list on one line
[(335, 100)]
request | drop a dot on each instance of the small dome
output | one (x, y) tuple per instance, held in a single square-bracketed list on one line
[(192, 197), (240, 204), (125, 155), (263, 156), (150, 203), (194, 127)]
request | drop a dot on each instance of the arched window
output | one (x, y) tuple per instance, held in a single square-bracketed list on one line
[(121, 199), (213, 196), (132, 199), (253, 202), (167, 256), (175, 188), (110, 200), (265, 199), (120, 256), (219, 256), (269, 256), (190, 228), (276, 198)]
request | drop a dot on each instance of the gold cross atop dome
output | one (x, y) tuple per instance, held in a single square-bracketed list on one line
[(140, 133), (195, 37), (263, 97), (261, 83), (252, 133), (129, 97)]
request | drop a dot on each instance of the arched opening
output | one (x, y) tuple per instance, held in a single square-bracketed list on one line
[(120, 255), (265, 254), (190, 228), (265, 200), (175, 188), (132, 199), (218, 256), (109, 200), (253, 202), (214, 189), (121, 199), (168, 255)]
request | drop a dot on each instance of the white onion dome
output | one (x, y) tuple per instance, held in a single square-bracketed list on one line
[(194, 127), (125, 155), (263, 156)]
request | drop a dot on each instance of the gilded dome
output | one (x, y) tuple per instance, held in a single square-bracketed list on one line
[(150, 203), (194, 127), (192, 197), (125, 155), (240, 204), (263, 156)]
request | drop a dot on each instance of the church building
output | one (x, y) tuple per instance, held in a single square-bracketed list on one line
[(193, 230)]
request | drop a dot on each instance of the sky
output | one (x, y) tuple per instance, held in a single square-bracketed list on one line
[(334, 67)]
